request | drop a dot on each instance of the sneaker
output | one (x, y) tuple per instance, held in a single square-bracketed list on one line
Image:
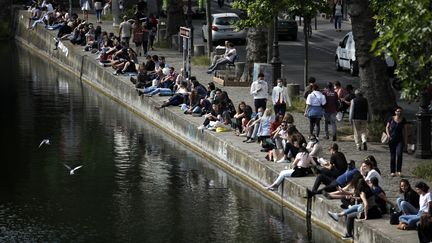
[(209, 71), (202, 127), (246, 140), (309, 193), (347, 237), (212, 129), (334, 216), (283, 160), (326, 194), (133, 80), (242, 135), (251, 141), (364, 146)]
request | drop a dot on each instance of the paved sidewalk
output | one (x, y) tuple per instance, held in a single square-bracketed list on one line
[(237, 94)]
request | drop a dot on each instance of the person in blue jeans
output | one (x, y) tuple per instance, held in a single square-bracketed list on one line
[(410, 221), (408, 203), (397, 132)]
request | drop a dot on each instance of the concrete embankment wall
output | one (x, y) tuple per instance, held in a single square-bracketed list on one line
[(209, 144)]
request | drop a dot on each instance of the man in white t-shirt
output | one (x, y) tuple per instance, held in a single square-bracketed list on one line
[(125, 31), (229, 57)]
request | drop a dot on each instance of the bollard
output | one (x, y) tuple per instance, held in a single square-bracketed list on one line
[(293, 90), (239, 69), (199, 50)]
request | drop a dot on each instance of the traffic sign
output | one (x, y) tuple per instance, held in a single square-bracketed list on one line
[(185, 32)]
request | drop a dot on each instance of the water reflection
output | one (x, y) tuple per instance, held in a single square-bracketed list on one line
[(137, 184)]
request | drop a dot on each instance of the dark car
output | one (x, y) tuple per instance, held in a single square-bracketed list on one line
[(287, 28)]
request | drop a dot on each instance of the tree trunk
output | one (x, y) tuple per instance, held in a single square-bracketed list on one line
[(256, 51), (306, 24), (175, 17), (209, 30), (374, 81), (270, 42)]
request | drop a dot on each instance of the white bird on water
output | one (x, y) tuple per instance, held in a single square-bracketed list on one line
[(45, 141), (72, 171)]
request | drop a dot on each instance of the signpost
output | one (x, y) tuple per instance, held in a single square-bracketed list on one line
[(185, 33)]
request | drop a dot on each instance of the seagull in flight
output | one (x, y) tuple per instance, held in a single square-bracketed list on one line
[(45, 141), (72, 171)]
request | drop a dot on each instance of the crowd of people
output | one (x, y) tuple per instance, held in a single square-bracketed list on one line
[(271, 127)]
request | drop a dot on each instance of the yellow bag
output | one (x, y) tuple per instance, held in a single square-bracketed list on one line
[(221, 129)]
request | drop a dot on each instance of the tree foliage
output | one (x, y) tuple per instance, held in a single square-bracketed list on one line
[(405, 28), (260, 13)]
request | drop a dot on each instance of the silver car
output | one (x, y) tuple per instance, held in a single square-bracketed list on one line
[(223, 28)]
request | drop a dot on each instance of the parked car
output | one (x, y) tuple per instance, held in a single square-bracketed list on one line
[(287, 27), (345, 57), (223, 28)]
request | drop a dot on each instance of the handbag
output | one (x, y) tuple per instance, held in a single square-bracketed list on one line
[(394, 216), (384, 138)]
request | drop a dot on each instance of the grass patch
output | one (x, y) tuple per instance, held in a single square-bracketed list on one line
[(375, 129), (297, 105), (344, 130), (164, 44), (201, 61), (424, 172), (107, 17)]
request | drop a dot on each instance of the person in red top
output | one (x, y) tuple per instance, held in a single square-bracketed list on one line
[(330, 108)]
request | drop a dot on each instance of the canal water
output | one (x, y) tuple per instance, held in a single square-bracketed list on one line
[(137, 184)]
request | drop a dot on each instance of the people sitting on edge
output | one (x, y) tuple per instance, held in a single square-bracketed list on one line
[(211, 91), (192, 105), (424, 227), (366, 169), (302, 165), (214, 115), (142, 80), (331, 184), (252, 126), (408, 201), (409, 221), (314, 147), (241, 118), (368, 209), (180, 96), (337, 164), (280, 137), (227, 58), (380, 196)]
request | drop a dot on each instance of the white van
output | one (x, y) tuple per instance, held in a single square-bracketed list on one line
[(346, 57)]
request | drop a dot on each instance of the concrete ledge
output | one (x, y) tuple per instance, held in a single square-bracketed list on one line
[(218, 147)]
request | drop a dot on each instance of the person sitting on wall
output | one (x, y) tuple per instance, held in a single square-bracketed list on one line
[(227, 58)]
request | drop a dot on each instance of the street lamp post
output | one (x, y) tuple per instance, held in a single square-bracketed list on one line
[(275, 61), (423, 149), (189, 22)]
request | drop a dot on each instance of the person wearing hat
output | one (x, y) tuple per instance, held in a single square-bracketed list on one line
[(330, 110), (358, 117), (125, 30)]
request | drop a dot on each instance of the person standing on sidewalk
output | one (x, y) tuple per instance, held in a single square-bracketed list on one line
[(314, 109), (98, 8), (280, 98), (259, 91), (338, 13), (125, 30), (330, 109), (358, 117), (397, 132)]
